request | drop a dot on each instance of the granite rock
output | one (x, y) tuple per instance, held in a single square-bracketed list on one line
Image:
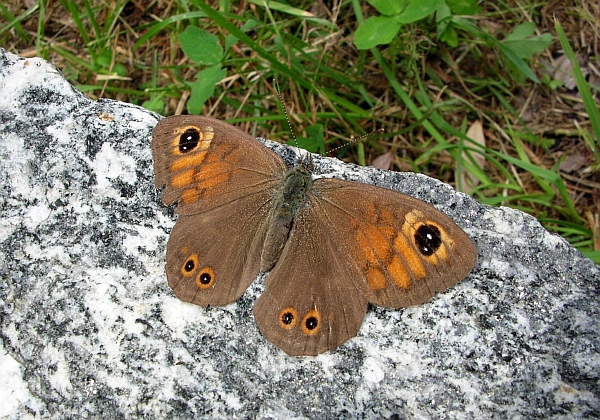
[(89, 327)]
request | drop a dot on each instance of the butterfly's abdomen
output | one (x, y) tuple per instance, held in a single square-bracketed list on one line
[(289, 199)]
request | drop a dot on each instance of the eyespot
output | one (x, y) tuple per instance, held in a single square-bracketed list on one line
[(189, 140), (311, 323), (288, 318), (190, 265), (428, 239), (205, 278)]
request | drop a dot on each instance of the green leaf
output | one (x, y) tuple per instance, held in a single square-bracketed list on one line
[(515, 64), (528, 48), (449, 36), (231, 39), (159, 26), (155, 104), (292, 11), (200, 46), (523, 44), (521, 32), (376, 30), (204, 87), (103, 59), (445, 30), (388, 7), (418, 10)]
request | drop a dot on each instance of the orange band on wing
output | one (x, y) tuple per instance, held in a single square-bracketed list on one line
[(213, 174), (399, 273), (411, 256), (189, 196), (189, 161), (183, 179), (375, 278)]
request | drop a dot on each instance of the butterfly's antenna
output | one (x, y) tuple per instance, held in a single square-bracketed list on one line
[(358, 139), (287, 118)]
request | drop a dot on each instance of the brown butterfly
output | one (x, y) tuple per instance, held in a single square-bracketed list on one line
[(330, 246)]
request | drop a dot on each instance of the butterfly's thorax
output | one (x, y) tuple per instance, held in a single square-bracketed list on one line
[(289, 199)]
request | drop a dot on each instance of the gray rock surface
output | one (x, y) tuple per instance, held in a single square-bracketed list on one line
[(89, 327)]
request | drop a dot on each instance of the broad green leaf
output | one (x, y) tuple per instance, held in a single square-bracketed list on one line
[(450, 37), (376, 30), (521, 32), (204, 87), (388, 7), (529, 47), (418, 10), (445, 30), (155, 104), (523, 44), (200, 46)]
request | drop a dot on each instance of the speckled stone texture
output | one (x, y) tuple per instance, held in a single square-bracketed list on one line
[(90, 328)]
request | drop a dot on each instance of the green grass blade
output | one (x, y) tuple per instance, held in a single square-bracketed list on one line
[(584, 90)]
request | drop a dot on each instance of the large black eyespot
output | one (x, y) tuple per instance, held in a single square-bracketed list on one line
[(188, 141), (428, 239), (288, 318), (190, 265), (205, 278), (311, 323)]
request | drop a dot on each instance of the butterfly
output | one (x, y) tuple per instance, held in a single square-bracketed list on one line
[(330, 246)]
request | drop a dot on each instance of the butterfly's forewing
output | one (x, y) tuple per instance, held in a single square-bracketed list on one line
[(203, 163), (222, 180), (402, 250)]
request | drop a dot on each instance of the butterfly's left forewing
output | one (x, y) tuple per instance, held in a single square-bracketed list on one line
[(203, 163)]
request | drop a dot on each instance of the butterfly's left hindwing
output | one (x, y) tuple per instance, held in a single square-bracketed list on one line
[(212, 261)]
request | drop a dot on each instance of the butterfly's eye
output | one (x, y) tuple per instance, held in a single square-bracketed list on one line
[(205, 278), (311, 323), (428, 239), (288, 318), (188, 141)]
